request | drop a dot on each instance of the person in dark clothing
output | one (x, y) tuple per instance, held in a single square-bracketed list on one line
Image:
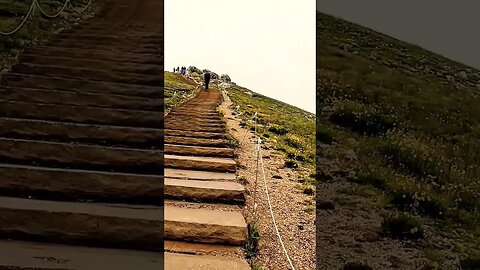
[(207, 79)]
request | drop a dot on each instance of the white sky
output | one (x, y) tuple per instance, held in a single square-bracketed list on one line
[(267, 46)]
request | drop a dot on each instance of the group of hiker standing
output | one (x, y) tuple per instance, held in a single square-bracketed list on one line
[(182, 70)]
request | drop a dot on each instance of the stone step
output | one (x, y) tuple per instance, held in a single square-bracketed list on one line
[(194, 119), (82, 133), (80, 99), (82, 156), (91, 224), (200, 163), (44, 82), (192, 122), (198, 150), (197, 129), (196, 141), (119, 48), (67, 38), (88, 73), (81, 114), (71, 34), (90, 54), (80, 185), (34, 255), (65, 61), (186, 133), (175, 261), (204, 226), (208, 191), (198, 175)]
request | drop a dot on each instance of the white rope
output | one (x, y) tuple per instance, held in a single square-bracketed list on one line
[(259, 156), (30, 11), (36, 3), (84, 8), (273, 217), (55, 15)]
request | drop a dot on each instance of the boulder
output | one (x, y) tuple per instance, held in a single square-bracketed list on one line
[(193, 69), (225, 78)]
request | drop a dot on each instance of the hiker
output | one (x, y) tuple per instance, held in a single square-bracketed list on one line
[(207, 79)]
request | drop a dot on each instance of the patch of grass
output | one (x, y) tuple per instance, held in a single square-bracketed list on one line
[(308, 189), (287, 128), (177, 90), (251, 247), (403, 226)]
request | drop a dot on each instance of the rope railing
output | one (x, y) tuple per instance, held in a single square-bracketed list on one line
[(31, 10)]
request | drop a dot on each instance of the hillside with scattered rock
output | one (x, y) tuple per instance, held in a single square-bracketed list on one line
[(398, 169)]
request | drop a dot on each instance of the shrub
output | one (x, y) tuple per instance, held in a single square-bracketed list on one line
[(402, 226), (361, 119), (292, 164), (277, 129)]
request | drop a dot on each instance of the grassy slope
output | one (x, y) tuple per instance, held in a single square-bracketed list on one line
[(289, 129), (177, 90), (411, 117), (37, 29)]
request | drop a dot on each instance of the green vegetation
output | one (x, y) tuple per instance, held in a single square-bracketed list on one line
[(38, 29), (412, 118), (403, 226), (289, 129), (177, 90), (251, 247)]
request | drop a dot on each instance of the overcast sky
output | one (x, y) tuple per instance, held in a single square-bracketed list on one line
[(267, 46), (450, 28)]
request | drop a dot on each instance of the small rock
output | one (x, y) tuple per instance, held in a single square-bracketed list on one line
[(462, 74), (277, 177), (449, 78)]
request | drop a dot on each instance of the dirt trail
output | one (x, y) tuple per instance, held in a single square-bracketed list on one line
[(81, 158)]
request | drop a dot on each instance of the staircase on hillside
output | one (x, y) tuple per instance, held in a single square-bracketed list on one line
[(200, 168)]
